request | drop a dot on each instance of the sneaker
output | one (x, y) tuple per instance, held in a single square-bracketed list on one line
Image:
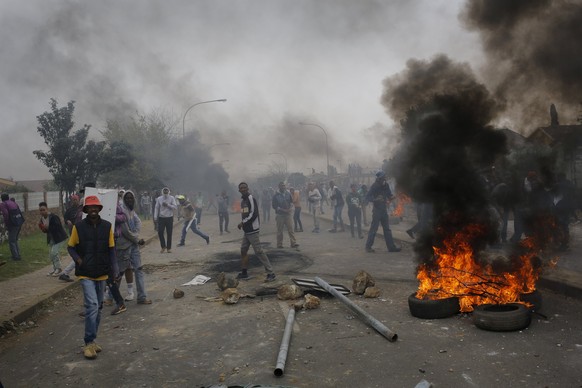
[(89, 351), (294, 245), (271, 277), (163, 250), (65, 278), (169, 250), (51, 273), (144, 301), (119, 310), (242, 276), (108, 302), (395, 249), (370, 250), (130, 297), (181, 244), (57, 272)]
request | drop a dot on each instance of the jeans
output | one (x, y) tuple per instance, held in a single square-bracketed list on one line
[(13, 232), (55, 254), (93, 300), (223, 220), (355, 214), (167, 224), (135, 258), (191, 224), (337, 216), (297, 219), (377, 219)]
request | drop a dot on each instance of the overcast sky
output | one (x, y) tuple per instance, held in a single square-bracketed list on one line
[(276, 61)]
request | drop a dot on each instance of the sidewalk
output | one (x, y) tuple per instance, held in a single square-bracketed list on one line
[(22, 296)]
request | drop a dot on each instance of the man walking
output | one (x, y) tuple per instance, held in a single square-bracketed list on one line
[(250, 225), (92, 247), (283, 205), (190, 221), (164, 217), (379, 195), (296, 197), (13, 221)]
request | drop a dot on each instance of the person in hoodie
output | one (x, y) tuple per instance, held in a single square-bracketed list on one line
[(250, 225), (128, 243), (164, 217)]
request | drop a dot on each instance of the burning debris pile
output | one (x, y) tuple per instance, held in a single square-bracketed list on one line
[(447, 144)]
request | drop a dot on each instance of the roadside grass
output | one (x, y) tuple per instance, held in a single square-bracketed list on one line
[(34, 251)]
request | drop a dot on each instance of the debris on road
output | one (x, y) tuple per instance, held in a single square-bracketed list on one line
[(226, 281), (289, 291), (198, 280), (362, 281), (178, 293)]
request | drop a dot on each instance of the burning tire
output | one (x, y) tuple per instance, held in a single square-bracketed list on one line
[(433, 309), (502, 317)]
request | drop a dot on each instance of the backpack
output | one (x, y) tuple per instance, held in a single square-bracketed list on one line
[(16, 217)]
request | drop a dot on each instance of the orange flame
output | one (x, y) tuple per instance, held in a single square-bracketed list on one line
[(401, 200), (457, 272)]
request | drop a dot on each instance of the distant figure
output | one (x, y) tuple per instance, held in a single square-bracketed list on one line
[(283, 206), (337, 205), (354, 201), (146, 205), (250, 225), (13, 221), (314, 199), (223, 202), (164, 216), (296, 198), (198, 203)]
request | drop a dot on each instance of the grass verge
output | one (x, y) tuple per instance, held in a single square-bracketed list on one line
[(35, 255)]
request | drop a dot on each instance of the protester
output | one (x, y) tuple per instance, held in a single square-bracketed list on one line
[(92, 247), (56, 237), (164, 217), (198, 202), (13, 221), (127, 247), (337, 204), (354, 201), (146, 205), (250, 225), (314, 198), (190, 221), (283, 205), (72, 215), (379, 195), (296, 198), (223, 217)]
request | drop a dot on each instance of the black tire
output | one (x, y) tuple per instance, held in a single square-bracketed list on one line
[(534, 298), (502, 317), (433, 309)]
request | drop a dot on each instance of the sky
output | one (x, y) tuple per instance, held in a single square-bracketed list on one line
[(276, 62)]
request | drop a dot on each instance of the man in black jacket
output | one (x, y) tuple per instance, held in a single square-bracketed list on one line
[(379, 195), (92, 247), (250, 226)]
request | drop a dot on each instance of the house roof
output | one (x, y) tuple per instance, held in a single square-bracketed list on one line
[(6, 182), (557, 134)]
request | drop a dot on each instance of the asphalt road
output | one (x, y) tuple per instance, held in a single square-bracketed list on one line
[(193, 342)]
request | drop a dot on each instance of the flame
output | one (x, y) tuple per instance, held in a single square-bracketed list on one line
[(401, 200), (456, 271)]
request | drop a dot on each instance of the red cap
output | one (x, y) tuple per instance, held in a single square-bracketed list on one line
[(92, 200)]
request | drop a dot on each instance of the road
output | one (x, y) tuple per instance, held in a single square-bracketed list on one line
[(193, 342)]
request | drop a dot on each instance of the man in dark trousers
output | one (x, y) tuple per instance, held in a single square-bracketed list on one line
[(250, 225), (92, 247), (379, 195), (10, 213), (56, 237)]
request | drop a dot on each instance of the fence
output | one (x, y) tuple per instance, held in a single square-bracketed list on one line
[(30, 200)]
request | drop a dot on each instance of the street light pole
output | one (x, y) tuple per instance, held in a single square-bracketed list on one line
[(284, 157), (192, 106), (326, 143)]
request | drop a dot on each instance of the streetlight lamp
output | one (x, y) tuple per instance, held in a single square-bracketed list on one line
[(284, 157), (192, 106), (326, 144)]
